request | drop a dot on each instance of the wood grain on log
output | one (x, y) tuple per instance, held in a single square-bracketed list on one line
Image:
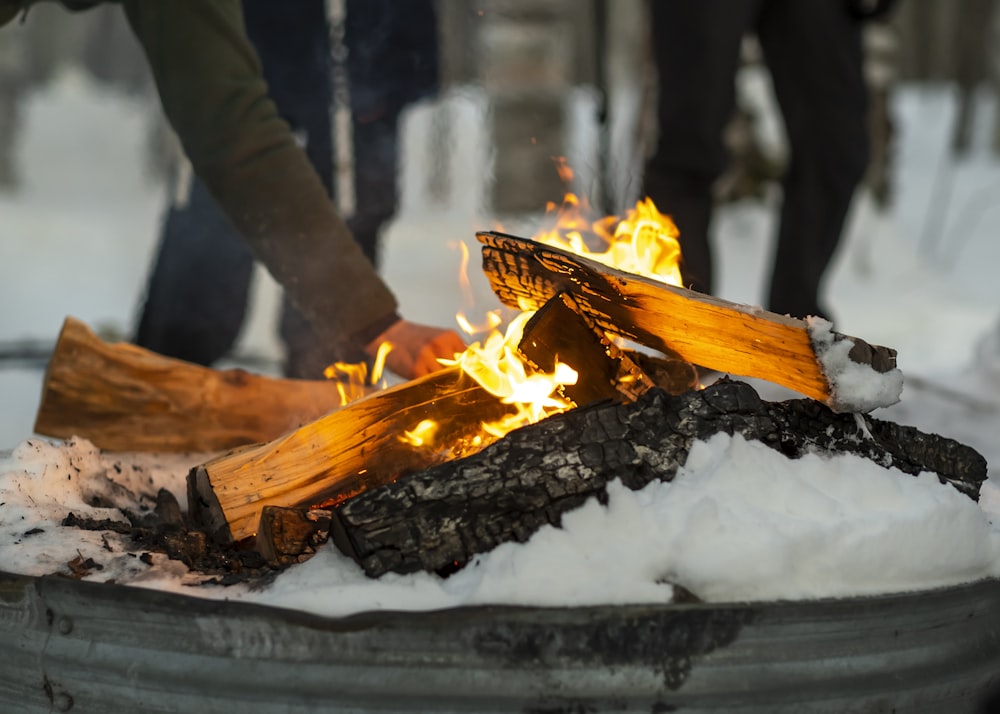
[(126, 398), (702, 329), (358, 447), (345, 452), (441, 518)]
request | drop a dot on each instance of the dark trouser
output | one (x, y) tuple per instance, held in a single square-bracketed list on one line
[(197, 291), (814, 53), (375, 194)]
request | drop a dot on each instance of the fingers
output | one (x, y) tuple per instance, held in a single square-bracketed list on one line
[(445, 345), (416, 348)]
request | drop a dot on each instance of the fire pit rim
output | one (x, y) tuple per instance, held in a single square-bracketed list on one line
[(113, 648)]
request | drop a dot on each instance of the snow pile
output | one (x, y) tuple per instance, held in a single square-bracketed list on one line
[(739, 522)]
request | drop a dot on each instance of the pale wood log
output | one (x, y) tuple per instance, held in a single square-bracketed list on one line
[(359, 448), (341, 454), (125, 398), (702, 329)]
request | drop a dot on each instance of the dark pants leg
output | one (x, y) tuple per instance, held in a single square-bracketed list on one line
[(199, 284), (376, 150), (197, 292), (813, 49), (375, 176), (697, 50), (391, 62)]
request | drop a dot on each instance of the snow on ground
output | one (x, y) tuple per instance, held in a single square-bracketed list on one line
[(738, 522)]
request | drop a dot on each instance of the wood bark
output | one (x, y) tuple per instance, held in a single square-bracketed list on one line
[(126, 398), (441, 518), (701, 329)]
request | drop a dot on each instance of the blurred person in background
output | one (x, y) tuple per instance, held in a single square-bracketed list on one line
[(212, 90), (199, 286), (13, 80), (813, 50)]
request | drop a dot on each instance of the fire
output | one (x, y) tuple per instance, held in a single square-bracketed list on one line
[(644, 242), (422, 434), (353, 380), (497, 367)]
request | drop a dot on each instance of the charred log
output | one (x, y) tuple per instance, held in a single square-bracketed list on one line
[(700, 329), (437, 520)]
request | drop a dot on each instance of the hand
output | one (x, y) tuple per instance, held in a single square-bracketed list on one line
[(415, 348)]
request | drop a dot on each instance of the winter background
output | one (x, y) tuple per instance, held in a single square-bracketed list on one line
[(739, 521)]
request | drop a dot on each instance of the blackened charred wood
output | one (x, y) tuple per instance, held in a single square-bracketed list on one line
[(290, 535), (558, 332), (437, 520), (561, 331)]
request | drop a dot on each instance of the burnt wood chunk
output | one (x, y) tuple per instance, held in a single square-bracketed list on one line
[(701, 329), (290, 535), (557, 332), (126, 398), (438, 520)]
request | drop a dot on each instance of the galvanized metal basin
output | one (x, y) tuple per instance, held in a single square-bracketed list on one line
[(76, 646)]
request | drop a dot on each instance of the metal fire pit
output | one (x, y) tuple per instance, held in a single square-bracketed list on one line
[(77, 646)]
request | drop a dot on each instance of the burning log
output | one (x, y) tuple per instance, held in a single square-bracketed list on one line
[(345, 452), (559, 331), (359, 447), (701, 329), (125, 398), (439, 519)]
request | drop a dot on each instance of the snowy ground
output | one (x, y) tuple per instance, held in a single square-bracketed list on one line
[(920, 278)]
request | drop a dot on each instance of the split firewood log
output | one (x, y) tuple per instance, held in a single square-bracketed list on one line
[(358, 447), (342, 453), (125, 398), (439, 519), (701, 329), (560, 332)]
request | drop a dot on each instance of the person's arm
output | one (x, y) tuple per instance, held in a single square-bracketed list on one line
[(210, 84)]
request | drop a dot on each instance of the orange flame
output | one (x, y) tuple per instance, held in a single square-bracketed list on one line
[(353, 380), (644, 243), (498, 368)]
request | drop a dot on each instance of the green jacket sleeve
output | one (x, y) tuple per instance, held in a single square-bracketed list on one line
[(209, 80)]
